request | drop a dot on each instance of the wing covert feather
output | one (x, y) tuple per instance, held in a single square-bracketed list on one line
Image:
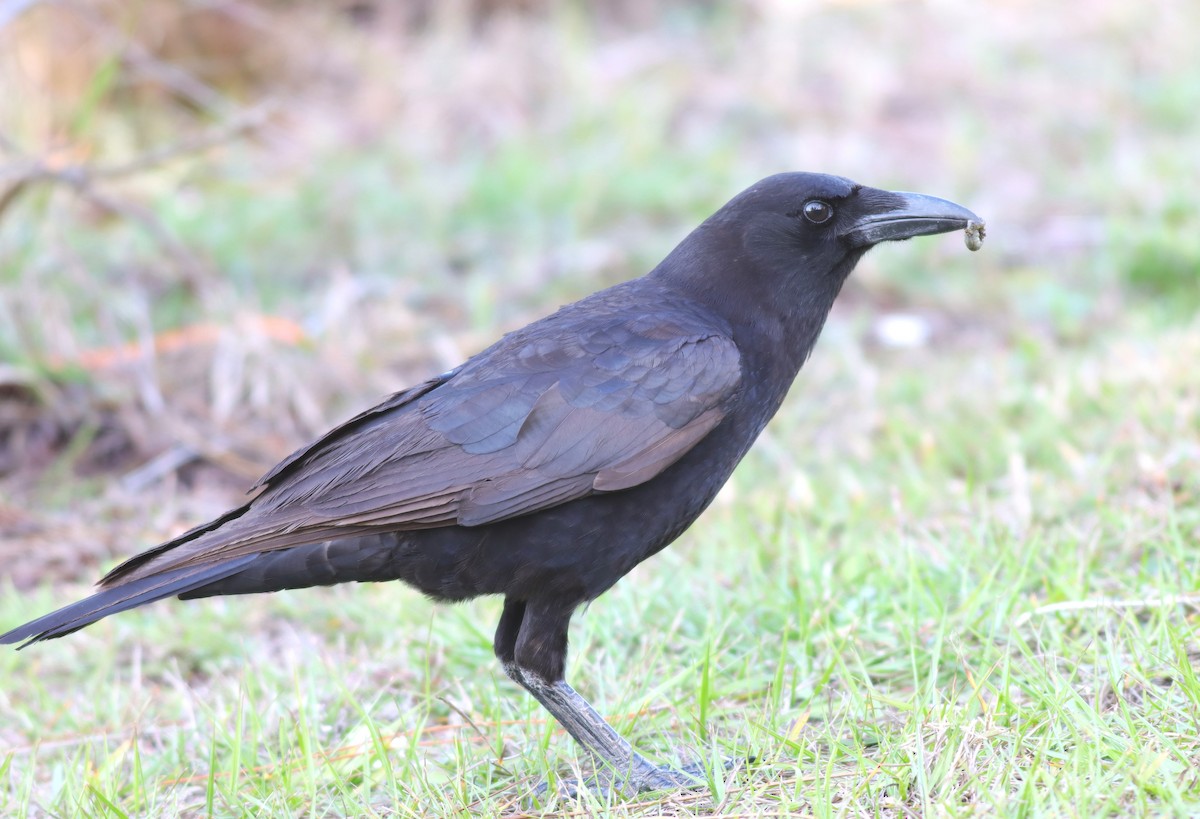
[(588, 400)]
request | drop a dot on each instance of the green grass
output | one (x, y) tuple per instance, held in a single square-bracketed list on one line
[(948, 581), (870, 632)]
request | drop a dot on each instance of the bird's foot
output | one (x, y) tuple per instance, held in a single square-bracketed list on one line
[(643, 779), (664, 778)]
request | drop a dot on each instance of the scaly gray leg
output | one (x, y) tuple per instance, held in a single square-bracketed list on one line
[(632, 772), (531, 642)]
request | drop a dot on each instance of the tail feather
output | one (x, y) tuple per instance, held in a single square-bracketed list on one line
[(121, 598), (142, 560), (357, 559)]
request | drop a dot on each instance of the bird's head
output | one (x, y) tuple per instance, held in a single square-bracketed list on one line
[(804, 232), (773, 259), (824, 221)]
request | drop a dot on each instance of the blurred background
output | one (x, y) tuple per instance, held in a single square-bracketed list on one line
[(228, 224), (225, 224)]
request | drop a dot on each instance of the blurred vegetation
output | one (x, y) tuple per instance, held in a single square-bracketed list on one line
[(444, 169), (225, 225)]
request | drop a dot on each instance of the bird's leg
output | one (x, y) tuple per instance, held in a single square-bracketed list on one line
[(531, 642), (633, 772)]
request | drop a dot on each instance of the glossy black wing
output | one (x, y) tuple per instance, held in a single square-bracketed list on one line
[(587, 400)]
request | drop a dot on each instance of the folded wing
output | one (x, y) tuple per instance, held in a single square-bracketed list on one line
[(588, 400)]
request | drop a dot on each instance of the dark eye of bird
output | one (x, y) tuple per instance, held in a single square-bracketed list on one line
[(817, 211)]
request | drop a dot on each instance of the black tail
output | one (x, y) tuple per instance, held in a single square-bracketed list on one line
[(120, 598), (364, 558)]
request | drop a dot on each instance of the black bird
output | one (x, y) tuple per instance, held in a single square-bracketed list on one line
[(553, 462)]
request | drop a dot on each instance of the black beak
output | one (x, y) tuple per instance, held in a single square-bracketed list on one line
[(914, 214)]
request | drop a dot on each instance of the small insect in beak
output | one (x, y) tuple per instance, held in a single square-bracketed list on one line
[(974, 233)]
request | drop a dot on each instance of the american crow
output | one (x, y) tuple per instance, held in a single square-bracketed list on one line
[(553, 462)]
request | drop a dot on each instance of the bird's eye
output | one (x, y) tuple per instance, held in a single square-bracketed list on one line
[(817, 212)]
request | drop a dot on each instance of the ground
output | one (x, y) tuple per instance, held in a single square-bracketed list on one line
[(956, 575)]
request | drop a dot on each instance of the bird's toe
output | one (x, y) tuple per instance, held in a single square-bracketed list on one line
[(644, 780)]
